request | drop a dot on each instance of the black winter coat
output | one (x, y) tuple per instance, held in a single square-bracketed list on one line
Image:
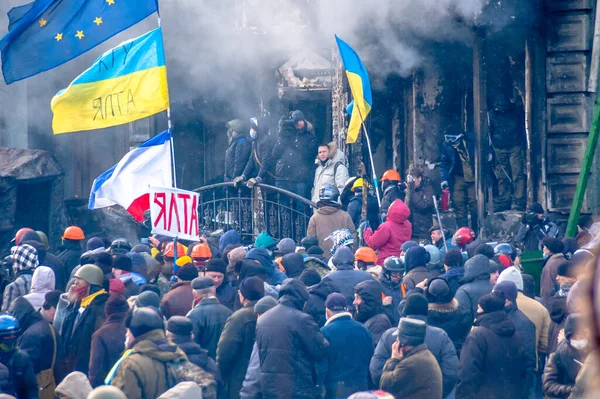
[(59, 269), (70, 255), (209, 318), (76, 335), (197, 355), (226, 294), (22, 377), (437, 342), (262, 147), (355, 210), (455, 320), (345, 278), (492, 361), (453, 277), (421, 210), (391, 194), (561, 370), (108, 344), (371, 312), (557, 307), (468, 294), (526, 330), (294, 154), (391, 289), (36, 335), (507, 129), (236, 157), (235, 348), (289, 345), (317, 294)]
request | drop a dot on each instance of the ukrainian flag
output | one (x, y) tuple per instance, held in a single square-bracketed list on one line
[(358, 78), (127, 83)]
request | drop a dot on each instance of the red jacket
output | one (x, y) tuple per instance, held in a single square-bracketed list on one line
[(390, 236)]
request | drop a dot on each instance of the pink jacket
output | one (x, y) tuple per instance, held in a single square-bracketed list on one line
[(390, 236)]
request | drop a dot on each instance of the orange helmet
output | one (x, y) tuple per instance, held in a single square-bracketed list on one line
[(73, 233), (20, 235), (365, 254), (201, 251), (169, 250), (463, 236), (390, 175)]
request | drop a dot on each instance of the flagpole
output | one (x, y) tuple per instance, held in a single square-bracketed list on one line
[(364, 128)]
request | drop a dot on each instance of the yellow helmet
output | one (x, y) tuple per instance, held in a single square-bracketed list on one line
[(358, 183)]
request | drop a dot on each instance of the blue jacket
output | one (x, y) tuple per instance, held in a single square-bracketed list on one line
[(447, 160), (274, 275), (251, 385), (346, 279), (453, 277), (346, 369)]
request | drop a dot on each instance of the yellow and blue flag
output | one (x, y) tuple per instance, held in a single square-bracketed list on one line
[(360, 86), (47, 33), (127, 83)]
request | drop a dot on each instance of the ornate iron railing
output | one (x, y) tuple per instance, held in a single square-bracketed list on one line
[(250, 211)]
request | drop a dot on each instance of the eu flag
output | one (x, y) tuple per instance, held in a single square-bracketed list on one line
[(47, 33)]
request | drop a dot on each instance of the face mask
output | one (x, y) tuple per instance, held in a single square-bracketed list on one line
[(253, 134), (81, 292), (546, 256), (579, 343), (402, 258), (127, 342)]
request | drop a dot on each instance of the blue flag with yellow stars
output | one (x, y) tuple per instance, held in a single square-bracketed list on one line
[(47, 33)]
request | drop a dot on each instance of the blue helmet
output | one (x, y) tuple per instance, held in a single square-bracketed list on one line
[(9, 325)]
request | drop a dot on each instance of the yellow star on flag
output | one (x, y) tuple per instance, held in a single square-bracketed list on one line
[(58, 37), (98, 21), (80, 34), (110, 2), (42, 22)]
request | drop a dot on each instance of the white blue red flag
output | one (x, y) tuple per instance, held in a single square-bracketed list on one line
[(128, 182)]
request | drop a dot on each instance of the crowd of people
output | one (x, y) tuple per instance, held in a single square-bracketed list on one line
[(331, 318)]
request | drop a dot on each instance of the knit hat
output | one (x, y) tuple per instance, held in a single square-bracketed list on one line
[(116, 286), (438, 291), (180, 325), (187, 272), (143, 320), (216, 265), (94, 243), (293, 264), (286, 246), (309, 242), (265, 304), (564, 269), (51, 299), (148, 298), (408, 245), (315, 250), (75, 385), (508, 288), (572, 324), (25, 257), (411, 332), (236, 255), (122, 262), (310, 277), (116, 304), (535, 208), (141, 248), (492, 302), (200, 283), (336, 302), (415, 257), (554, 245), (138, 263), (454, 258), (512, 274), (415, 305), (252, 288), (264, 240), (486, 250)]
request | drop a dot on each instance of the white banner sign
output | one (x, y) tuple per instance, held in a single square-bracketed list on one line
[(174, 212)]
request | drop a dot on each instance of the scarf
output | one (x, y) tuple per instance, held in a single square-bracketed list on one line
[(88, 299), (564, 289)]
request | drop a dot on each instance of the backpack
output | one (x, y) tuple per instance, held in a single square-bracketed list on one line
[(184, 370)]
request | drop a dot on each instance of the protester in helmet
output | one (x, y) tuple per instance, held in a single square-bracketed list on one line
[(364, 258), (79, 314), (331, 169), (22, 378), (392, 188), (328, 218), (70, 250), (259, 165), (238, 151), (421, 203), (200, 254), (390, 236), (340, 238), (17, 239), (356, 203), (293, 154), (434, 266), (40, 241), (463, 237), (120, 246), (391, 279)]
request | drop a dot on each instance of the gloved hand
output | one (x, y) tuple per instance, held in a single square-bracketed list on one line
[(253, 181), (239, 180), (445, 185), (364, 225)]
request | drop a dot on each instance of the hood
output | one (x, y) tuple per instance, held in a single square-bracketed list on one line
[(293, 294), (477, 268), (40, 248), (557, 307), (370, 291), (138, 263), (327, 209), (323, 289), (293, 264), (155, 345), (230, 237), (264, 240), (343, 259), (183, 390), (24, 312), (43, 280), (398, 212), (75, 386), (262, 255), (498, 322)]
